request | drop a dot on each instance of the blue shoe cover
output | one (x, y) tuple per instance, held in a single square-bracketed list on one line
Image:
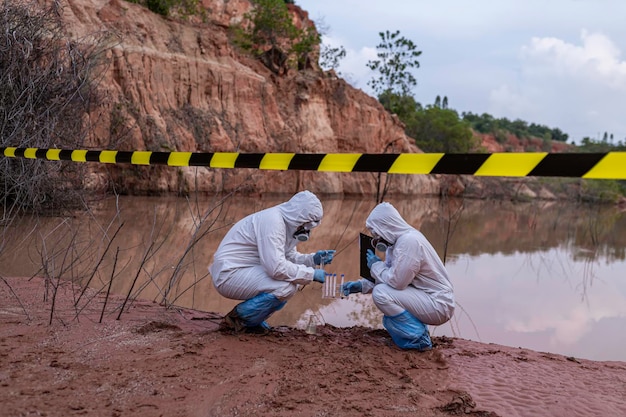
[(257, 309), (407, 331)]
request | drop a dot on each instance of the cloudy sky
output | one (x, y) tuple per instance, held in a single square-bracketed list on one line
[(559, 63)]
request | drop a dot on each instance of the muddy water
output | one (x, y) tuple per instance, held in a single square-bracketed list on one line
[(545, 276)]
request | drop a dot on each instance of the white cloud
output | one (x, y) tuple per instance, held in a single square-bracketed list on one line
[(596, 60), (565, 84), (353, 68)]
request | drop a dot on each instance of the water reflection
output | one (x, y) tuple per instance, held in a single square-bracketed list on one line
[(548, 277)]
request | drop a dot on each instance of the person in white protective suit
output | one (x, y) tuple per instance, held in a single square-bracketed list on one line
[(411, 287), (257, 261)]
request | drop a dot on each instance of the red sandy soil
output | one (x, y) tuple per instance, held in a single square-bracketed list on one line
[(155, 361)]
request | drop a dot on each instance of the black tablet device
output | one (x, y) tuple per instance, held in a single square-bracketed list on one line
[(365, 243)]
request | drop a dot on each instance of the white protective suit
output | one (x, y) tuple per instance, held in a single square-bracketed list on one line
[(412, 276), (258, 254)]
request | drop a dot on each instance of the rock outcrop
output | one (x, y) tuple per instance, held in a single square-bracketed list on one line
[(176, 85)]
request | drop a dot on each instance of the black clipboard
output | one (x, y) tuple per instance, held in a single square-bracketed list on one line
[(365, 243)]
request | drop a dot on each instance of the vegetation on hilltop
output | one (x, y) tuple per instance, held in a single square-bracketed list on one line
[(606, 144), (486, 123)]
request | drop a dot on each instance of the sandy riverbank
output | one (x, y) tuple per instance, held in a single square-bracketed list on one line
[(175, 362)]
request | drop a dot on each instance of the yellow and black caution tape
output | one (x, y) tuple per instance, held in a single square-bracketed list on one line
[(607, 165)]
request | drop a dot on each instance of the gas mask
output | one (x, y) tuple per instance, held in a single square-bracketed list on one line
[(303, 232), (380, 244)]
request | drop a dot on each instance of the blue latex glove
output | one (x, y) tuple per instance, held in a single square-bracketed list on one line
[(323, 256), (372, 258), (351, 287), (319, 275)]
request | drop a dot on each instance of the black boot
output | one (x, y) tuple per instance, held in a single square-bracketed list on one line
[(262, 328), (233, 322)]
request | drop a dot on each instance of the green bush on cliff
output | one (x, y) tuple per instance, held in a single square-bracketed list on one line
[(161, 7), (165, 7), (268, 32)]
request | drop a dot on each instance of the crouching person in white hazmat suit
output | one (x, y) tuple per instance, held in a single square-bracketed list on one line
[(411, 287), (257, 261)]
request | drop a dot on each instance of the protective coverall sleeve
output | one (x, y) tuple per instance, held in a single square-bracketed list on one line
[(271, 240), (296, 257), (366, 285), (405, 264)]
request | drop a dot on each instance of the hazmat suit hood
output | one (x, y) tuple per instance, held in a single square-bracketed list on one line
[(386, 222), (304, 207)]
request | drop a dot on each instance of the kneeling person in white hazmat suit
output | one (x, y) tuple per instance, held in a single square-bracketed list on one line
[(411, 287), (257, 261)]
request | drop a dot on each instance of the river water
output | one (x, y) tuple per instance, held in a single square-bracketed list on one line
[(544, 276)]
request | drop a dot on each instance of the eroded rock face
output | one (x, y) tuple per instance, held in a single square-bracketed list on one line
[(181, 86)]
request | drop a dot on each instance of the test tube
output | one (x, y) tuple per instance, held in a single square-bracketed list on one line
[(333, 285), (330, 285), (341, 287), (326, 286)]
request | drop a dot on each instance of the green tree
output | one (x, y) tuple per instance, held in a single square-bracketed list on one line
[(436, 129), (484, 123), (442, 104), (405, 106), (330, 56), (307, 40), (397, 56)]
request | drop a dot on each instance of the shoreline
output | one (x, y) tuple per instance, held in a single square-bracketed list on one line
[(157, 361)]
